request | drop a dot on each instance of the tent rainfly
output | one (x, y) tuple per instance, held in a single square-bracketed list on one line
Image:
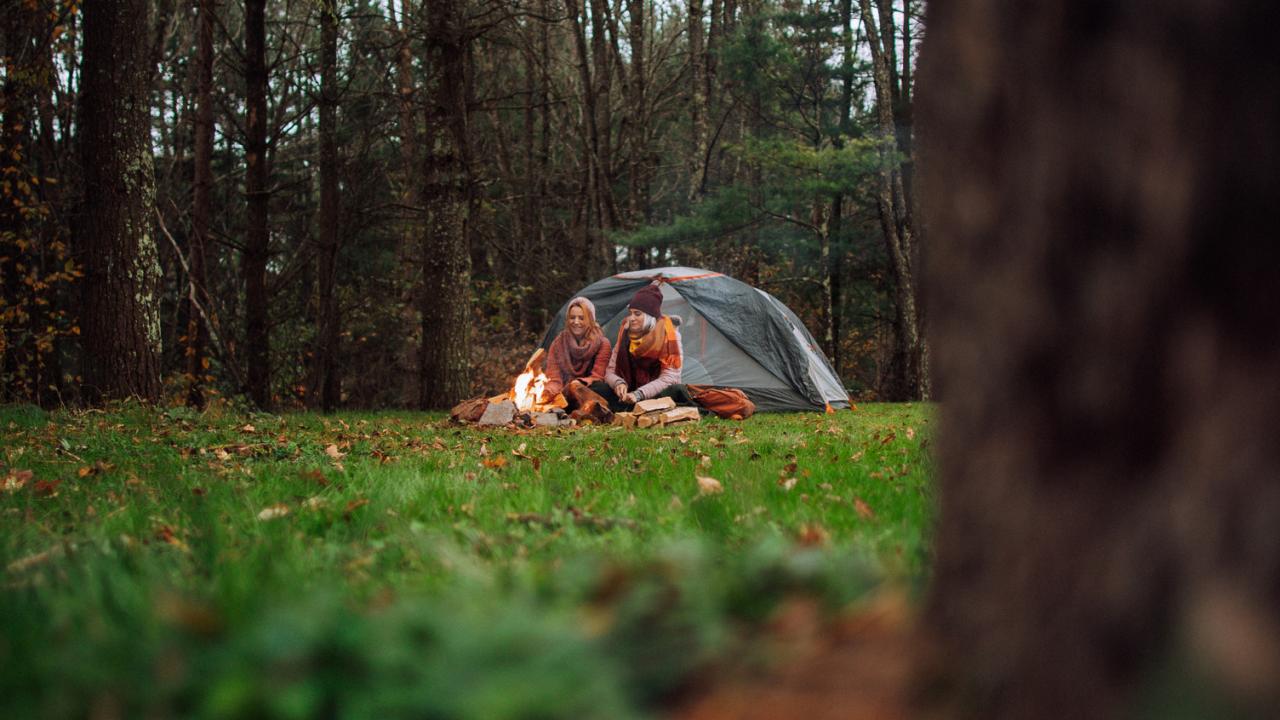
[(733, 335)]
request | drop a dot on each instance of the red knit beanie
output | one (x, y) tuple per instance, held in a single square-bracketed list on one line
[(648, 300)]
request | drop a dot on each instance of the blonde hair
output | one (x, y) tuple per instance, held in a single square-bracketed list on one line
[(588, 309)]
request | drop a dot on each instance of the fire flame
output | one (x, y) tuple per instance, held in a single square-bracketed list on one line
[(528, 389)]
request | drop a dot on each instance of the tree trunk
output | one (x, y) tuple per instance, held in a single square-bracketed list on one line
[(697, 103), (253, 265), (409, 265), (122, 272), (909, 340), (1106, 544), (198, 297), (327, 332), (446, 278)]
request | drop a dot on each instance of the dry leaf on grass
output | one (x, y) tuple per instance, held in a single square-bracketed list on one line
[(15, 480), (272, 512), (333, 452), (708, 485), (864, 510)]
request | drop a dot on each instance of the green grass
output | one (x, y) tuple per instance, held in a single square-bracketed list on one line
[(419, 569)]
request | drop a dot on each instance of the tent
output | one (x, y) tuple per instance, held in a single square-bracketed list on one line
[(733, 335)]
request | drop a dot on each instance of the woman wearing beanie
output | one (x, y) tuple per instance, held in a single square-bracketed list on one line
[(577, 359), (646, 359)]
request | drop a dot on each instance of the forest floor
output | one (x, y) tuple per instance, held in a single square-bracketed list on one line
[(166, 563)]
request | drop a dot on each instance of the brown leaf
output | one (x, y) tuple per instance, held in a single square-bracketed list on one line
[(333, 452), (47, 488), (355, 504), (864, 510), (812, 535), (248, 428), (911, 433), (496, 463), (790, 469), (787, 483), (165, 534), (15, 480), (29, 561), (221, 454), (708, 485), (315, 476)]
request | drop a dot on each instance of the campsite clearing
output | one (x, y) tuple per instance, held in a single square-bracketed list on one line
[(191, 563)]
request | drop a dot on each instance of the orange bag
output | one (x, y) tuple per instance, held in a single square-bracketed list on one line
[(728, 403)]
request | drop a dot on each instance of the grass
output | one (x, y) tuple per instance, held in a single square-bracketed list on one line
[(165, 563)]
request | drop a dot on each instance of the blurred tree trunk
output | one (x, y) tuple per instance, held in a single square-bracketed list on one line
[(197, 329), (1108, 543), (446, 260), (122, 272), (327, 332), (253, 265)]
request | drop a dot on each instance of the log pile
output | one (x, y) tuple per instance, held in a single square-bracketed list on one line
[(659, 412)]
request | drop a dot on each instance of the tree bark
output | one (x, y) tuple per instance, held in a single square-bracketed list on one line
[(446, 297), (329, 220), (1106, 544), (122, 271), (910, 382), (198, 296), (697, 103), (253, 266)]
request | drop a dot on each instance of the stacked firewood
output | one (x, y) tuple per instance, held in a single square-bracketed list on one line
[(656, 412)]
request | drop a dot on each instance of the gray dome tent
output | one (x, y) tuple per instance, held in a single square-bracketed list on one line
[(733, 335)]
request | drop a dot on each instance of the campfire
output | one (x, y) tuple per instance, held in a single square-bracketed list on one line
[(520, 406)]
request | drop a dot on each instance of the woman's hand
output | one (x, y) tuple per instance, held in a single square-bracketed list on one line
[(620, 390)]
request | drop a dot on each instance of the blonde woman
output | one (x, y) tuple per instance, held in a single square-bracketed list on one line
[(578, 359)]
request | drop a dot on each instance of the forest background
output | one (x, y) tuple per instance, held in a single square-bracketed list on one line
[(316, 203)]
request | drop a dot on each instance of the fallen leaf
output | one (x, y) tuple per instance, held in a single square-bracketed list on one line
[(166, 534), (15, 480), (787, 483), (248, 428), (812, 535), (675, 503), (864, 510), (273, 511), (911, 433), (221, 454), (29, 561), (315, 476), (856, 456), (333, 452), (47, 488), (708, 485), (356, 504), (315, 503), (705, 461), (790, 469), (495, 463)]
